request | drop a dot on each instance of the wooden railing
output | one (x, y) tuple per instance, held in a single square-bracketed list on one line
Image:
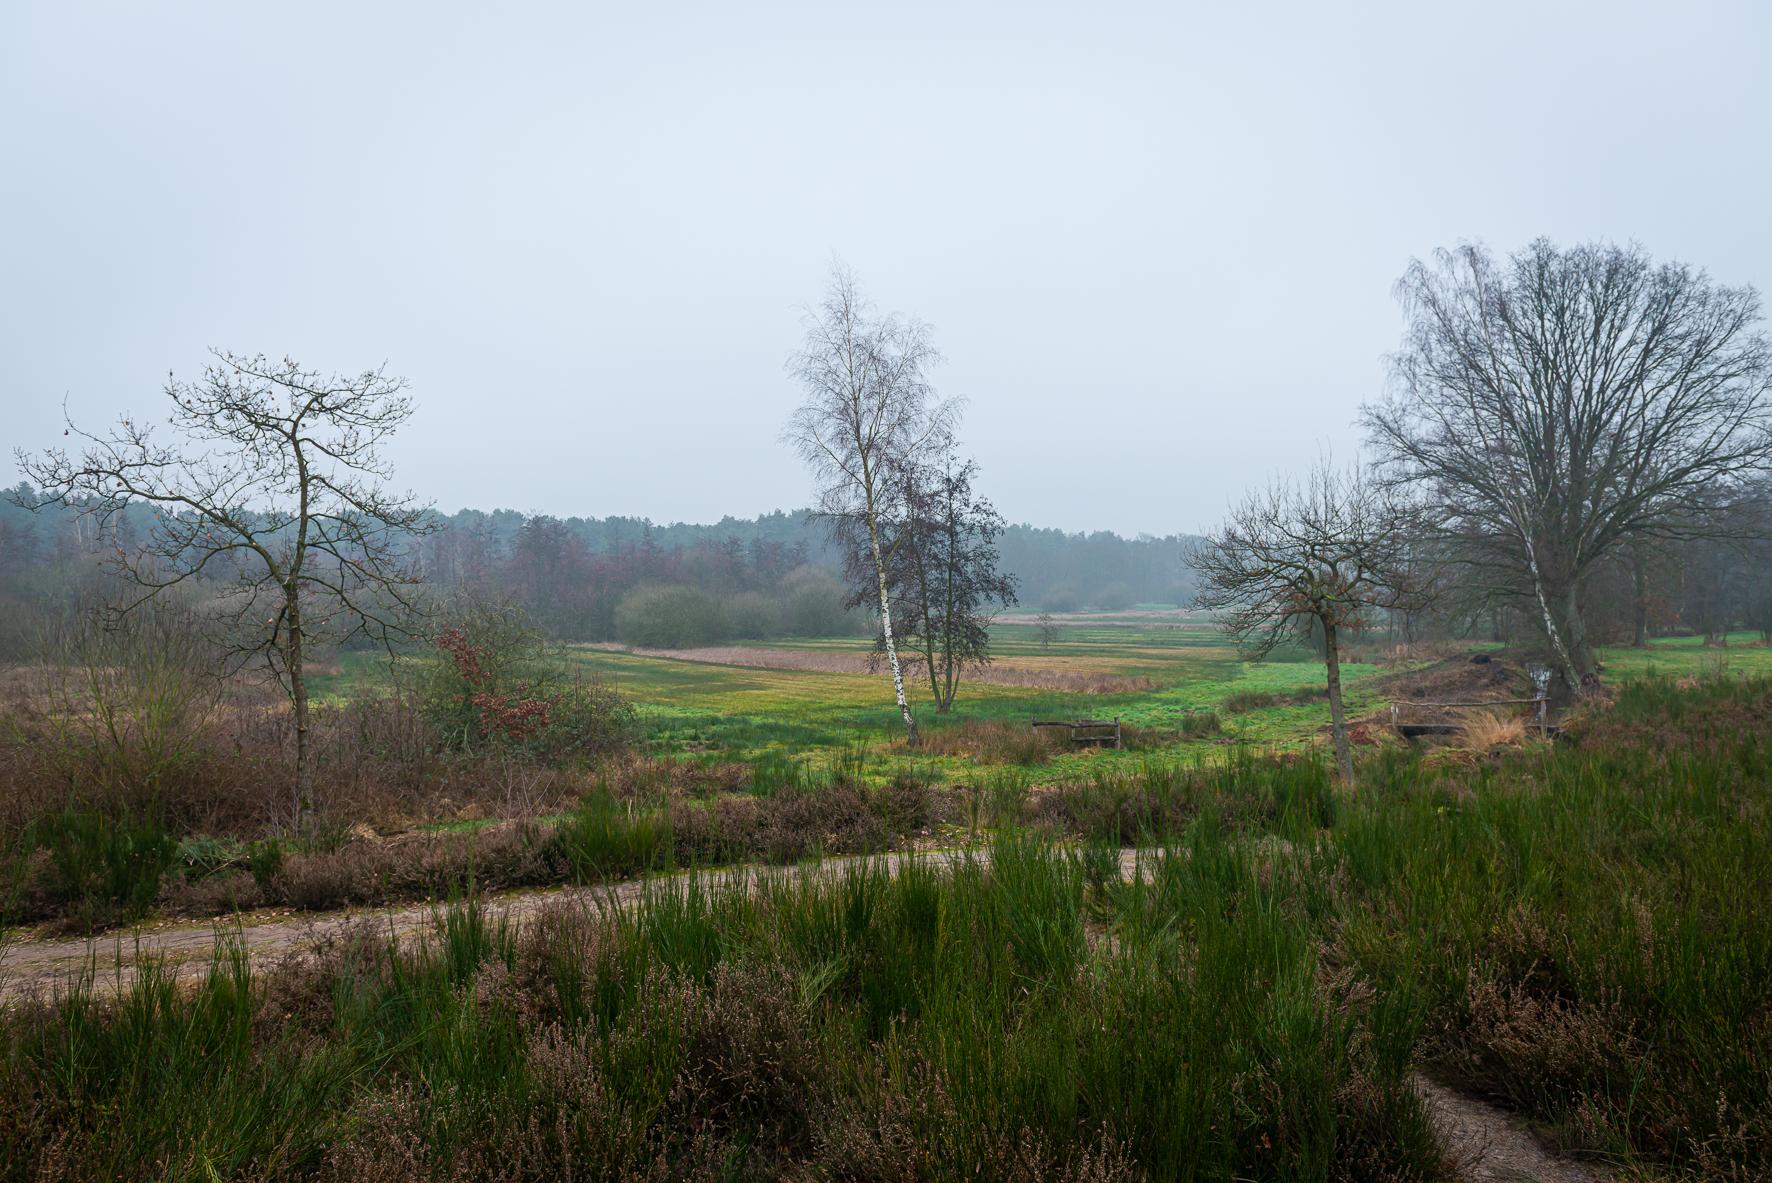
[(1541, 721), (1100, 732)]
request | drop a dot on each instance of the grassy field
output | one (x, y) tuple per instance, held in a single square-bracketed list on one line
[(1191, 666), (1186, 666), (1187, 663), (1578, 930), (1688, 657)]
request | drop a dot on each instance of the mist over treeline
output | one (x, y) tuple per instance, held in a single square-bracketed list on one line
[(625, 578), (572, 572), (780, 574)]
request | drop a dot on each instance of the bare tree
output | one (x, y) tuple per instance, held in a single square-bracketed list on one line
[(870, 414), (1293, 558), (1048, 629), (1557, 408), (273, 488)]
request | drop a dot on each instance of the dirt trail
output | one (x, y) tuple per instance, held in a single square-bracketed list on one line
[(1489, 1144), (185, 949)]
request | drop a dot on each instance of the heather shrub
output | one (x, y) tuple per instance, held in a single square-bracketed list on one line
[(996, 741), (586, 719)]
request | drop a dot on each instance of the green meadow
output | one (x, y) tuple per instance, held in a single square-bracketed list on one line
[(1178, 672)]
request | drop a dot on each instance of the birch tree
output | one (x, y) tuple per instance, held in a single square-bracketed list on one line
[(1302, 556), (869, 414), (272, 492), (1554, 409)]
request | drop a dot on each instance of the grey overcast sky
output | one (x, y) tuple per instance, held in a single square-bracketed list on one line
[(1156, 241)]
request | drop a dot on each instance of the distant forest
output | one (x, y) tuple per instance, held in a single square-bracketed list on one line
[(1055, 570), (622, 578)]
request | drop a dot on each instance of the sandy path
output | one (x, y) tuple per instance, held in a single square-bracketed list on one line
[(1492, 1145), (186, 949)]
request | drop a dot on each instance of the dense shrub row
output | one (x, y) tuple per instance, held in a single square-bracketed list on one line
[(809, 603)]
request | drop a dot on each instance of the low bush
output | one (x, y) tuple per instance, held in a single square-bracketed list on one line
[(500, 690), (753, 616), (812, 606), (670, 617), (1199, 725)]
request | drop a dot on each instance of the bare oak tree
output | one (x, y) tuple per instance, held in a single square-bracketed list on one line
[(869, 415), (273, 490), (1555, 409), (1297, 557)]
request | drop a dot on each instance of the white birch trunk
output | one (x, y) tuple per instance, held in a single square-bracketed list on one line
[(904, 706), (1570, 673)]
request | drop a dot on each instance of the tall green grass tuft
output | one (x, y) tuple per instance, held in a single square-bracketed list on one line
[(607, 838), (103, 870), (1589, 929)]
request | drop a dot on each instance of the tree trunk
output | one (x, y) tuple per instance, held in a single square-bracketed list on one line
[(941, 706), (1581, 653), (298, 699), (904, 706), (1561, 651), (1344, 756), (1640, 599)]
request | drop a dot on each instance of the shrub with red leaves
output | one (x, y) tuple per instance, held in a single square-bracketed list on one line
[(516, 715)]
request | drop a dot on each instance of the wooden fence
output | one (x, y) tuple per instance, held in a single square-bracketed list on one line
[(1099, 732), (1541, 715)]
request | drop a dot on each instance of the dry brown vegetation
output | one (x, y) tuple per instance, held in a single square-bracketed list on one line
[(996, 741), (1493, 728), (377, 763), (1000, 672)]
